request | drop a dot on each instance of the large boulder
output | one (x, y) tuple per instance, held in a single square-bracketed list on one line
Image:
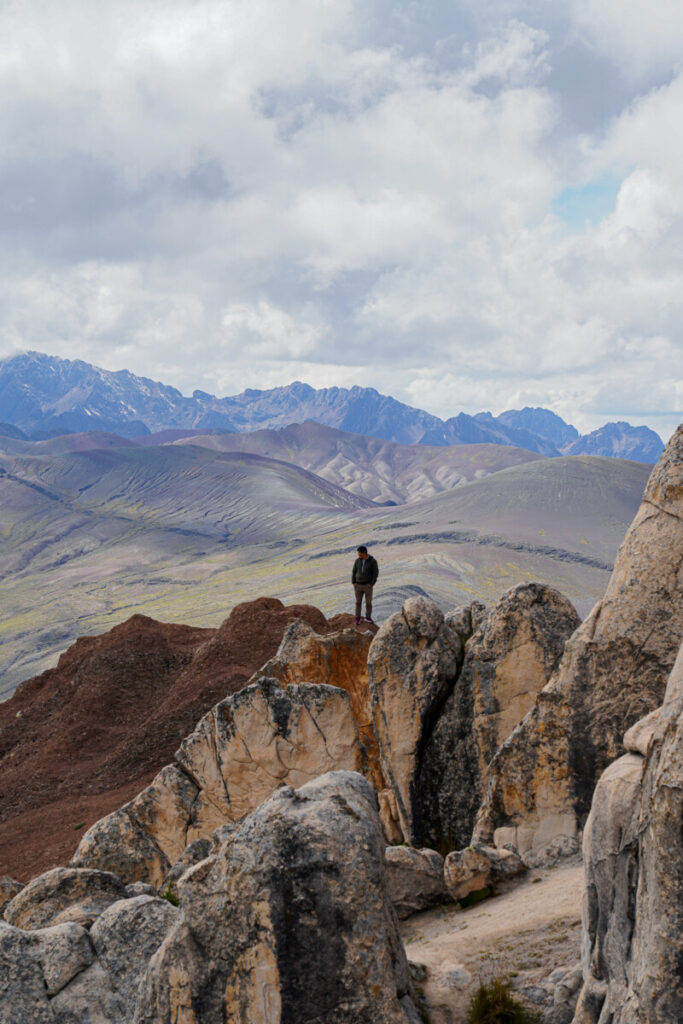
[(633, 862), (289, 922), (66, 975), (336, 659), (248, 744), (64, 894), (413, 664), (613, 673), (508, 660), (415, 879)]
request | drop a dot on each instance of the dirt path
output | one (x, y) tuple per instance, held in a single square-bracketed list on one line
[(523, 935)]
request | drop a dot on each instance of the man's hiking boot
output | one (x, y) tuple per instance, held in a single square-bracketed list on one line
[(366, 619), (358, 622)]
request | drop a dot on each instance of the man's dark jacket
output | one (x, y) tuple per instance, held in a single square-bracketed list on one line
[(371, 571)]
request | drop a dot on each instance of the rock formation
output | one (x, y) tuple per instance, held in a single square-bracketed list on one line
[(413, 664), (336, 659), (439, 727), (288, 921), (415, 879), (633, 862), (614, 671), (79, 740), (248, 744)]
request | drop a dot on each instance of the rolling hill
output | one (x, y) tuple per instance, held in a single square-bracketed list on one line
[(183, 533)]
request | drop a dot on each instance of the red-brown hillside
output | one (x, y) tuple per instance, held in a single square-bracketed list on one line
[(82, 738)]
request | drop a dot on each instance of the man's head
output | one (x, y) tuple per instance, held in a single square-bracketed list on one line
[(362, 551)]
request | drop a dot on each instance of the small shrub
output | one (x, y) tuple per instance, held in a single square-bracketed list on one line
[(494, 1004), (79, 826), (170, 894)]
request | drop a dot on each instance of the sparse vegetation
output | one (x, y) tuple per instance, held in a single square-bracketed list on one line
[(79, 826), (170, 894), (494, 1004)]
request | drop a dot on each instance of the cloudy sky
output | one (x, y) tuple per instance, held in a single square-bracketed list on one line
[(469, 205)]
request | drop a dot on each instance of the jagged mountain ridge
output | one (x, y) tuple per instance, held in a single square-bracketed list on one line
[(42, 395)]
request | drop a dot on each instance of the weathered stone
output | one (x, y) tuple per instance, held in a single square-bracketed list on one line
[(413, 663), (290, 921), (9, 888), (479, 867), (466, 619), (337, 659), (633, 860), (64, 894), (414, 879), (125, 938), (89, 999), (613, 673), (192, 854), (388, 815), (239, 752), (508, 660), (140, 889), (63, 951), (23, 996)]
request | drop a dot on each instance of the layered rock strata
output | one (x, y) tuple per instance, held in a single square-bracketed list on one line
[(633, 860), (248, 744), (613, 672)]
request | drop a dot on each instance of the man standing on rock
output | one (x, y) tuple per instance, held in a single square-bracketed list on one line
[(364, 576)]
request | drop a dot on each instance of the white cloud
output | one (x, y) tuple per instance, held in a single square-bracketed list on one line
[(252, 192)]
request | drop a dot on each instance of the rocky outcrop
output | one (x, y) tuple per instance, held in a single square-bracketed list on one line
[(97, 728), (508, 660), (413, 664), (479, 867), (62, 895), (290, 921), (633, 861), (613, 673), (64, 974), (336, 659), (414, 879), (9, 888), (287, 920), (248, 744)]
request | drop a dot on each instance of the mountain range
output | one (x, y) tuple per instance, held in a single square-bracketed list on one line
[(42, 396)]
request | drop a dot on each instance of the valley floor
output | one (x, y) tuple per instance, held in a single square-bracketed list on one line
[(523, 935)]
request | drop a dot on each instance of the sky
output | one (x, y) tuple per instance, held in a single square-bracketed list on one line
[(468, 205)]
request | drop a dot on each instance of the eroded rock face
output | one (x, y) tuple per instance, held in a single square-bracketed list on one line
[(290, 921), (239, 752), (336, 659), (415, 879), (508, 660), (64, 894), (613, 673), (633, 860), (413, 664), (9, 888)]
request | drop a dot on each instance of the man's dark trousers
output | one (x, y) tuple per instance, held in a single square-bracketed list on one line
[(363, 589)]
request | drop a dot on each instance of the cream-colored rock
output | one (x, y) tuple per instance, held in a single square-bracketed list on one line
[(336, 659), (613, 673), (239, 752), (289, 922), (479, 867), (414, 879), (62, 895), (508, 660), (388, 815), (413, 664), (633, 858)]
